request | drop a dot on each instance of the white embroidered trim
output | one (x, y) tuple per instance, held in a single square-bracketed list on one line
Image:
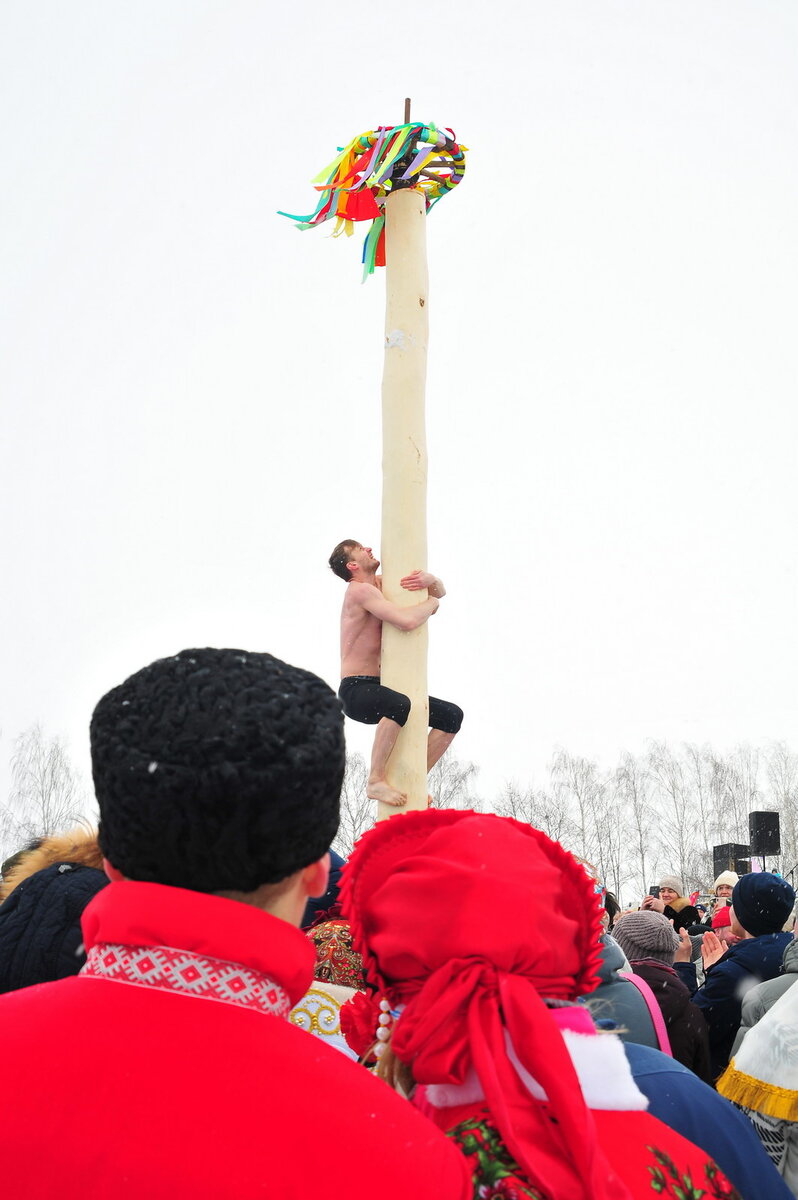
[(188, 973)]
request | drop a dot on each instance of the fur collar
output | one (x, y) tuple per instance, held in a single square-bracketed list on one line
[(78, 846)]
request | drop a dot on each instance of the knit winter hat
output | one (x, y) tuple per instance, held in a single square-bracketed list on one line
[(762, 902), (672, 881), (217, 770), (729, 878), (646, 934)]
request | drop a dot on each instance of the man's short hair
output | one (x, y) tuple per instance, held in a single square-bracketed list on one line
[(217, 770), (341, 555)]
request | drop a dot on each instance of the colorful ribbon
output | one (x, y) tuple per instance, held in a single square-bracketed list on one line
[(354, 185)]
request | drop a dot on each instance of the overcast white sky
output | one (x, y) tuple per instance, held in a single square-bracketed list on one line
[(191, 388)]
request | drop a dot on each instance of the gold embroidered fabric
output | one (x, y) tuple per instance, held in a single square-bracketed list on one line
[(336, 960), (319, 1013)]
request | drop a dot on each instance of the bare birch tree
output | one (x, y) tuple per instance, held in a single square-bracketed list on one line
[(46, 794), (781, 773), (358, 813), (537, 808), (577, 784), (450, 781), (677, 826), (738, 791), (609, 835), (701, 772), (639, 819)]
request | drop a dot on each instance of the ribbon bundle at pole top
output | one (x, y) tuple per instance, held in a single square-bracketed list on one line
[(355, 184)]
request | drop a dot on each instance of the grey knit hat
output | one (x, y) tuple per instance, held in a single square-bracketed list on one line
[(672, 881), (646, 934)]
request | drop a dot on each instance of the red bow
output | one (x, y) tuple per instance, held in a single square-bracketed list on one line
[(459, 1017)]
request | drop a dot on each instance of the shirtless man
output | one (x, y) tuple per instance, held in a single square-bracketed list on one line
[(363, 696)]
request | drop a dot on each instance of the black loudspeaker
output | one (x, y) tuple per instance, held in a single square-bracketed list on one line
[(731, 856), (763, 828)]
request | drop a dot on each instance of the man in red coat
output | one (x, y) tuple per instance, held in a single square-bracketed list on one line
[(166, 1068)]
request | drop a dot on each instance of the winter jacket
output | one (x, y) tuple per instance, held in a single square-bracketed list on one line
[(687, 1029), (682, 913), (78, 846), (40, 935), (197, 1087), (320, 904), (698, 1113), (617, 1002), (720, 998), (761, 998)]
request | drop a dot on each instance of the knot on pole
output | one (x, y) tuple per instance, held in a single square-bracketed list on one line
[(355, 184)]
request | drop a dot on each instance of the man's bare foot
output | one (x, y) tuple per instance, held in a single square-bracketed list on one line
[(387, 794)]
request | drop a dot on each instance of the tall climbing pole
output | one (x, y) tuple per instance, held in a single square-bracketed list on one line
[(393, 176)]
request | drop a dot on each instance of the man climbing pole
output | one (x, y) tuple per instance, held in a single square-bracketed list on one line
[(392, 177), (363, 696)]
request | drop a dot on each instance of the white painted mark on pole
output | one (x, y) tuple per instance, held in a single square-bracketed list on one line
[(398, 339)]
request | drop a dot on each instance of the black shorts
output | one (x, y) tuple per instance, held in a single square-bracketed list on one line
[(366, 700)]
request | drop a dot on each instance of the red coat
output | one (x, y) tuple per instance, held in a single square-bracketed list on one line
[(651, 1159), (167, 1069)]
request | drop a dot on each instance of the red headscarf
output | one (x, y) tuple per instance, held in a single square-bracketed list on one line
[(472, 921)]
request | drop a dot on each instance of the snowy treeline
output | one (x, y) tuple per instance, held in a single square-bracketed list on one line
[(656, 812)]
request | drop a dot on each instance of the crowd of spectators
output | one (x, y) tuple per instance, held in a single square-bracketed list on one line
[(449, 1014)]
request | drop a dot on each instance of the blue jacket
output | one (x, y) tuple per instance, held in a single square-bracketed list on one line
[(721, 997), (679, 1099), (320, 904)]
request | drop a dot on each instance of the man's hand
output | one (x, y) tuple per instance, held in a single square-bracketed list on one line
[(653, 903), (417, 581), (684, 952), (712, 949)]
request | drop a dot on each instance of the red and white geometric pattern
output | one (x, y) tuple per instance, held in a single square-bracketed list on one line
[(189, 974)]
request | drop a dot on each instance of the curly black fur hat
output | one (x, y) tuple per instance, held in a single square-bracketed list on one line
[(217, 770)]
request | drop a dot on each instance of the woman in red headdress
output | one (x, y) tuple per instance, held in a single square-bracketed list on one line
[(479, 933)]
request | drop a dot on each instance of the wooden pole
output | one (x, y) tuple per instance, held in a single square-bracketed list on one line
[(404, 473)]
